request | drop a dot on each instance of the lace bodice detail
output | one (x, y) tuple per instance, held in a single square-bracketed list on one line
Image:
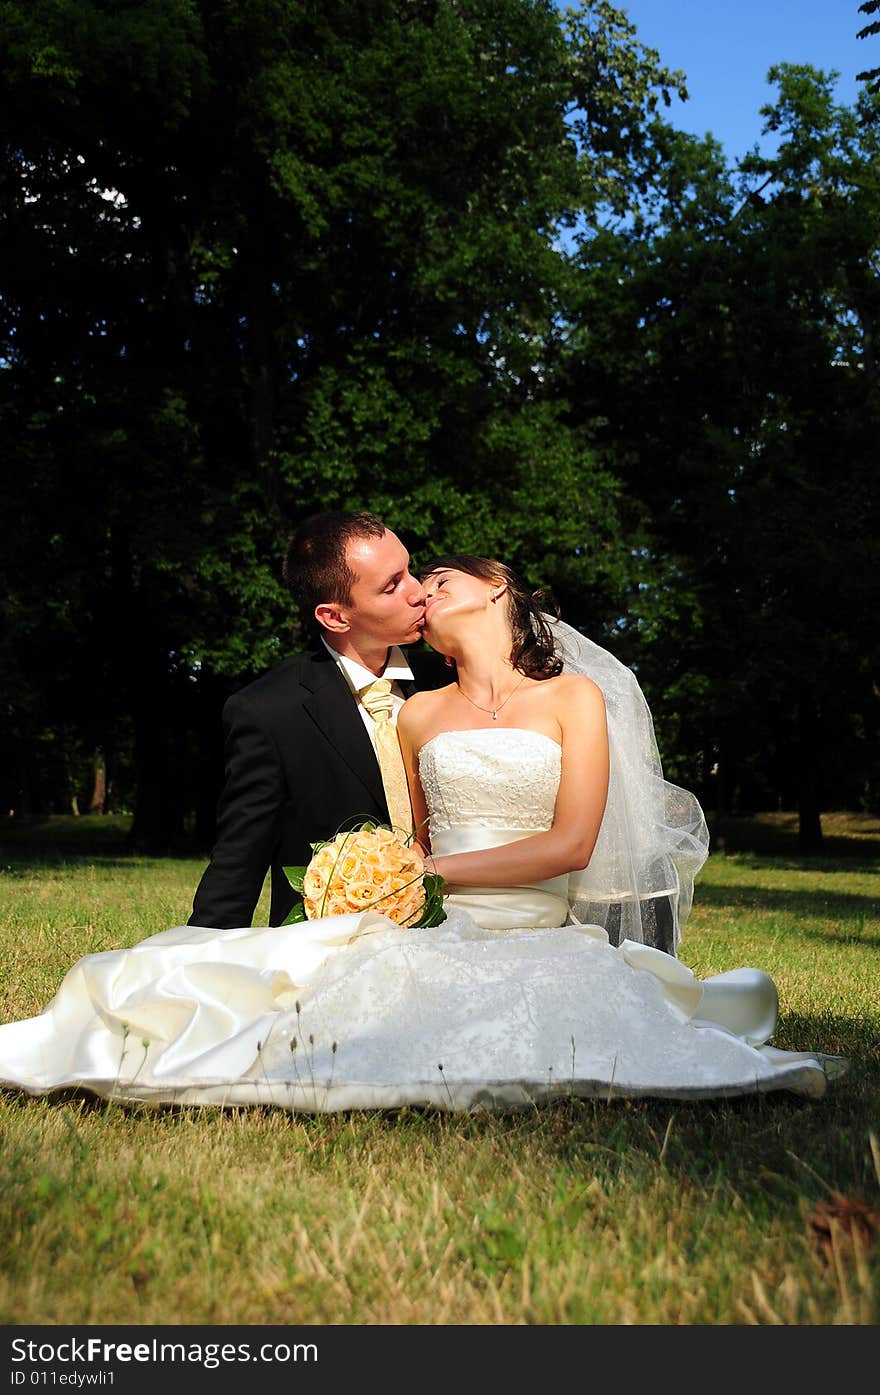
[(493, 777)]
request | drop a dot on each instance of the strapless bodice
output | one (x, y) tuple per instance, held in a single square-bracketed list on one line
[(489, 786), (490, 778)]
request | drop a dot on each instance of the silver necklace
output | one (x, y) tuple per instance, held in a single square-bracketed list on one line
[(493, 711)]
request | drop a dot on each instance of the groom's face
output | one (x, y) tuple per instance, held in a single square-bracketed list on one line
[(387, 601)]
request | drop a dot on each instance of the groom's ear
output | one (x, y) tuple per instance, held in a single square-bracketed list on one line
[(499, 591), (330, 617)]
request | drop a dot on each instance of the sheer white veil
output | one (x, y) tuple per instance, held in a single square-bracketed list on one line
[(653, 840)]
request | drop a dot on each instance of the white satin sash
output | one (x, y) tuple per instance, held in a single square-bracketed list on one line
[(541, 906)]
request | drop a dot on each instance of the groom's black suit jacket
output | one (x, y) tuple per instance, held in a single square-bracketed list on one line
[(299, 762)]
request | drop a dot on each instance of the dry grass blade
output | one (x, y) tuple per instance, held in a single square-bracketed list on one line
[(846, 1222)]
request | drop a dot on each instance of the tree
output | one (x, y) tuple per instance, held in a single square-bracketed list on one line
[(731, 342), (268, 256)]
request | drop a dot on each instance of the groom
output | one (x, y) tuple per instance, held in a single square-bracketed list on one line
[(300, 750)]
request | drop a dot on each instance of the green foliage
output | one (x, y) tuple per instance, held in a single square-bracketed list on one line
[(268, 257), (295, 875), (617, 87), (730, 342), (449, 262)]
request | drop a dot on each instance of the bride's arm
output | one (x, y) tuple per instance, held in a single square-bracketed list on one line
[(580, 804)]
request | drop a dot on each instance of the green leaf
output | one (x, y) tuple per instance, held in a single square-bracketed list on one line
[(296, 876), (433, 912)]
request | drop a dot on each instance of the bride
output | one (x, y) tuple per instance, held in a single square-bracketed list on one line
[(522, 769)]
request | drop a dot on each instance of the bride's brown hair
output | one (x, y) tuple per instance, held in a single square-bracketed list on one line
[(533, 652)]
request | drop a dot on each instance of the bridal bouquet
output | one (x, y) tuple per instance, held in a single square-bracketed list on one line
[(368, 868)]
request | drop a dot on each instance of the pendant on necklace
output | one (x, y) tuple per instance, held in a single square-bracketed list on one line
[(494, 716)]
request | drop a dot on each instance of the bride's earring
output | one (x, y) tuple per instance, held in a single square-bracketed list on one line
[(448, 660)]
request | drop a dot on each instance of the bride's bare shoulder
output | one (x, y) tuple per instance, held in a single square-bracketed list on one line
[(577, 688), (426, 699), (580, 704), (418, 710)]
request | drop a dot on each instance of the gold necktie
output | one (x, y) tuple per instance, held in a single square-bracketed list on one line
[(376, 698)]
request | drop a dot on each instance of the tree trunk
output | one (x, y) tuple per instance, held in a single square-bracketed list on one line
[(71, 790), (98, 801), (810, 841)]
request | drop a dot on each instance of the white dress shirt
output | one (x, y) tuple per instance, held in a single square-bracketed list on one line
[(357, 677)]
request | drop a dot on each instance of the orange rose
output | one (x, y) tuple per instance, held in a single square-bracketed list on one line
[(369, 869)]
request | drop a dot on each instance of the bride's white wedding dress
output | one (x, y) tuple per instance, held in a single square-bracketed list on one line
[(501, 1005)]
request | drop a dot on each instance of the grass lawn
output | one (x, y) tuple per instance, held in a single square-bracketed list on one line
[(762, 1210)]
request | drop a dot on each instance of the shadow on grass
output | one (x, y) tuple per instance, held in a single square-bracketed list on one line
[(847, 907), (88, 838), (856, 1038), (773, 1151), (847, 837), (776, 1154), (850, 866), (838, 853), (23, 867)]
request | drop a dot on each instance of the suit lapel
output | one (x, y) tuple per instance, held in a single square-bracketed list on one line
[(334, 711)]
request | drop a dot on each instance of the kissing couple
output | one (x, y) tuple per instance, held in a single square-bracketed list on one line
[(522, 758)]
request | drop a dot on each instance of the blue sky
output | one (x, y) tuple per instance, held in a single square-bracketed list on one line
[(726, 47)]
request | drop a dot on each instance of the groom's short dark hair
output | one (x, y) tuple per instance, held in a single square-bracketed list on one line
[(315, 568)]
